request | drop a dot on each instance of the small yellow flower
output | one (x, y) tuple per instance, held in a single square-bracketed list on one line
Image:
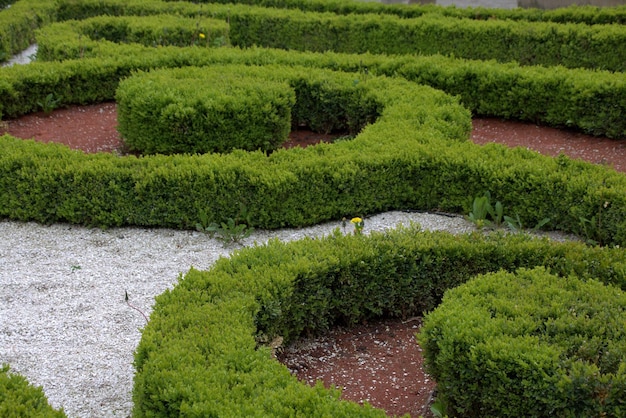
[(358, 225), (202, 36)]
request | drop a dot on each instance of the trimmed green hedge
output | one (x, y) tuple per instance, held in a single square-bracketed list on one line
[(76, 38), (6, 4), (405, 165), (187, 364), (573, 14), (416, 156), (529, 344), (200, 110), (290, 187), (27, 15), (590, 101), (158, 30), (19, 399), (570, 45), (529, 43)]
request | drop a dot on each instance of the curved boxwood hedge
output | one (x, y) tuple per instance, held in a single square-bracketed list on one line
[(529, 344), (572, 14), (529, 43), (290, 187), (409, 168), (27, 15), (590, 101), (187, 364)]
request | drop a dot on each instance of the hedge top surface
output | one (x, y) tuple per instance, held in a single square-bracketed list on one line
[(535, 343), (568, 314)]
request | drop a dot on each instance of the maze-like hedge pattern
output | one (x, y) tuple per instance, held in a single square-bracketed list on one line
[(416, 155)]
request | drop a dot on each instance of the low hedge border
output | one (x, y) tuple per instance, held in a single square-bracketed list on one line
[(157, 30), (236, 370), (590, 15), (529, 43), (19, 22), (187, 364), (590, 101), (528, 344), (25, 16), (411, 169), (289, 187), (574, 46)]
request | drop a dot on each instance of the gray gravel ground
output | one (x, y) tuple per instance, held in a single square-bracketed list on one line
[(23, 57)]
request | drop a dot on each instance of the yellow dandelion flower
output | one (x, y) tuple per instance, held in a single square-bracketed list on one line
[(358, 225)]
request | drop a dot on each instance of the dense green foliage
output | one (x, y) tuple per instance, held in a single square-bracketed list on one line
[(591, 101), (202, 110), (19, 399), (569, 45), (158, 30), (425, 162), (573, 14), (289, 187), (19, 22), (186, 362), (577, 197), (202, 353), (529, 344)]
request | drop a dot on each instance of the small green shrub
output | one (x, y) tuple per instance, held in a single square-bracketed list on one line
[(200, 110), (233, 230), (528, 343), (481, 209), (49, 103)]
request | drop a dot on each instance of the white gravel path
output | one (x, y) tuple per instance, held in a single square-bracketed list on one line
[(23, 57), (64, 323)]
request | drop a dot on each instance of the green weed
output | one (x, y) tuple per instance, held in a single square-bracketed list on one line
[(49, 103)]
